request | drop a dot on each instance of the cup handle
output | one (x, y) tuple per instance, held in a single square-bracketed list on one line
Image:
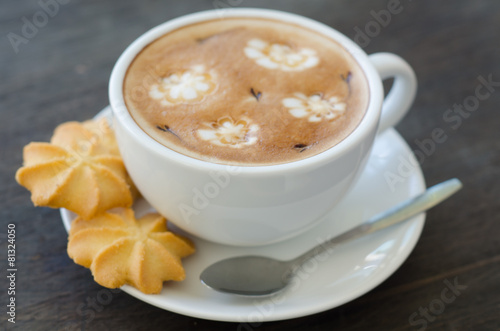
[(399, 99)]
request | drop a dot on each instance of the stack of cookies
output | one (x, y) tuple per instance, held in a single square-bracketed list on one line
[(81, 170)]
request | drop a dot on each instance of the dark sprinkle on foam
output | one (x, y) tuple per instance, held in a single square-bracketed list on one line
[(301, 147), (347, 78), (166, 128), (256, 95)]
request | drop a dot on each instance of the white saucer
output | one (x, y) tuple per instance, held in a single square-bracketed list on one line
[(350, 271)]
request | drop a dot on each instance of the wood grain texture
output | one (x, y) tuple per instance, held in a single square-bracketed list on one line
[(61, 73)]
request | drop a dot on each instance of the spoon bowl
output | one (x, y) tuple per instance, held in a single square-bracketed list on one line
[(250, 275)]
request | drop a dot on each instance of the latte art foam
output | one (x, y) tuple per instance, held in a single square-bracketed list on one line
[(279, 56), (246, 91), (184, 86)]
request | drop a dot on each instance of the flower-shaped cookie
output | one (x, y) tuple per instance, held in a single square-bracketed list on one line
[(120, 249), (315, 108), (279, 56), (101, 131), (230, 133), (184, 86), (80, 169)]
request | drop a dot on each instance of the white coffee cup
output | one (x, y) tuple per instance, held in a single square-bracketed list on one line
[(256, 205)]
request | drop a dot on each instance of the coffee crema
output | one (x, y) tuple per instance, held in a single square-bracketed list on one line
[(246, 91)]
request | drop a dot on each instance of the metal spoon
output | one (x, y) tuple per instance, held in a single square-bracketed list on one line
[(260, 275)]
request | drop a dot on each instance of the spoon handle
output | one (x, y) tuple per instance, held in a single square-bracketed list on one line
[(431, 197)]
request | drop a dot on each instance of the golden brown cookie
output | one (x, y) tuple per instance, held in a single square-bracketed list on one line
[(80, 169), (120, 249), (102, 131)]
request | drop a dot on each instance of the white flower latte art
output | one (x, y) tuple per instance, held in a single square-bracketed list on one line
[(314, 107), (185, 86), (278, 56), (230, 133)]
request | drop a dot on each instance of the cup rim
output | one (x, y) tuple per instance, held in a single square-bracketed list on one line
[(368, 123)]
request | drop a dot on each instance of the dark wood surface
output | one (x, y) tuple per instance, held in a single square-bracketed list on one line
[(61, 73)]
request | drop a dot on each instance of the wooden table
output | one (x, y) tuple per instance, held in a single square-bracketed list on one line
[(58, 70)]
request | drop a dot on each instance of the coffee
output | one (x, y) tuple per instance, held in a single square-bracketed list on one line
[(246, 91)]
